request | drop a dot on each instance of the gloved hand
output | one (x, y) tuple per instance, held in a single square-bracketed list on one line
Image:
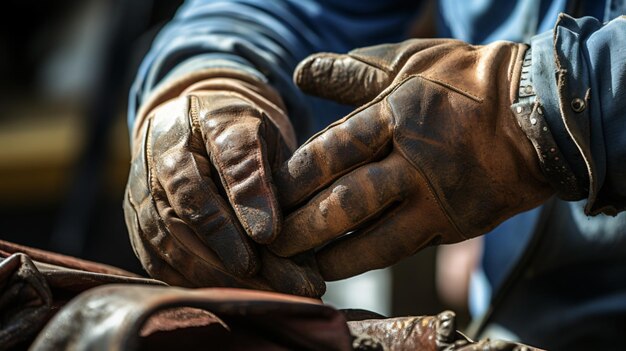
[(200, 190), (434, 156)]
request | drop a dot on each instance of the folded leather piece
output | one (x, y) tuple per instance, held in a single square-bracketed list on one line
[(123, 317), (34, 284), (137, 314), (25, 300), (132, 317), (43, 256)]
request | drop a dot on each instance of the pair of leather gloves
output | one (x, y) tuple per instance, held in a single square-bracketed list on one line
[(433, 155)]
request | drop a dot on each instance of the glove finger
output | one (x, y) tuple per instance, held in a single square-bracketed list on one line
[(348, 204), (341, 78), (400, 232), (380, 245), (296, 275), (184, 251), (138, 195), (194, 199), (182, 185), (345, 145), (263, 96), (180, 259), (150, 260), (234, 141), (359, 76)]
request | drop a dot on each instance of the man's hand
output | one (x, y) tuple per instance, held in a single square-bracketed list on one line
[(434, 156), (200, 191)]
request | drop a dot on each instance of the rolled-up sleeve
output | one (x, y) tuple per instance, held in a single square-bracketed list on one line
[(579, 73), (265, 38)]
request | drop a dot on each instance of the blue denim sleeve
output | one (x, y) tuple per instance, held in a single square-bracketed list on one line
[(265, 38), (579, 73)]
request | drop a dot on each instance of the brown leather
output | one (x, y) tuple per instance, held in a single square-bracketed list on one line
[(34, 284), (25, 301), (492, 345), (434, 156), (423, 333), (123, 317), (200, 192), (42, 256), (427, 333)]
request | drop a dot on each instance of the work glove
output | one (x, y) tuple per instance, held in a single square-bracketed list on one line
[(435, 156), (200, 193)]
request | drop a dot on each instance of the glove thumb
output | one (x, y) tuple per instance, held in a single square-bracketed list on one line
[(351, 79), (360, 75)]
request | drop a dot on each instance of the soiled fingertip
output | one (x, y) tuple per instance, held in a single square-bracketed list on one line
[(262, 225)]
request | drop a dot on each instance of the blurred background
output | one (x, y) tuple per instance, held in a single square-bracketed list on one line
[(65, 71)]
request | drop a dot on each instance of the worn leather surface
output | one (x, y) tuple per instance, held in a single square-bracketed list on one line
[(434, 156), (428, 333), (25, 300), (42, 256), (127, 317), (34, 284), (122, 317), (423, 333), (200, 196)]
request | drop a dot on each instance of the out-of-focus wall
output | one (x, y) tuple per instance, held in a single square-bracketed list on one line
[(65, 70)]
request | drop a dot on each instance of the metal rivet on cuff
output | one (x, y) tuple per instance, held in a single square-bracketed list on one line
[(519, 109), (528, 89), (533, 121), (578, 105)]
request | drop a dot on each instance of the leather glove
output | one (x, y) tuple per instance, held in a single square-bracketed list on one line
[(200, 192), (434, 156)]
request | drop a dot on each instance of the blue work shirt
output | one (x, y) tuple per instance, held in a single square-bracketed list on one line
[(268, 39)]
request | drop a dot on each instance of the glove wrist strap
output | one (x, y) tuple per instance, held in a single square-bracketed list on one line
[(530, 117)]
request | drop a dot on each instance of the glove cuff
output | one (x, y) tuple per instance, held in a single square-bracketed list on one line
[(530, 117), (194, 81)]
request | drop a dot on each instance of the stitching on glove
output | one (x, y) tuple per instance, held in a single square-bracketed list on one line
[(451, 87)]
